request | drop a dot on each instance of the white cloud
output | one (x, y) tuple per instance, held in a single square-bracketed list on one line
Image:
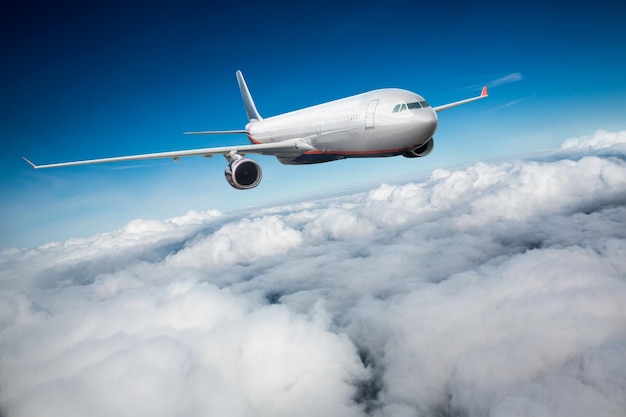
[(507, 79), (601, 139), (496, 289), (508, 104)]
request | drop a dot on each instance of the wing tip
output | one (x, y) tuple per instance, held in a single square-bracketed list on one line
[(29, 162), (484, 93)]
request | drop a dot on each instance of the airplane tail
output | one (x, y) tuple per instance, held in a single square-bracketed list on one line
[(251, 110)]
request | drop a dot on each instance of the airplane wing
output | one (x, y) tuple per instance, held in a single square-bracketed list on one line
[(284, 148), (483, 94)]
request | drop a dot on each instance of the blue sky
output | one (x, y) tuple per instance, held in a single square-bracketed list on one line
[(88, 80)]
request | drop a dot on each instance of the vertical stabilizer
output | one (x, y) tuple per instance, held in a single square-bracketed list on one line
[(251, 110)]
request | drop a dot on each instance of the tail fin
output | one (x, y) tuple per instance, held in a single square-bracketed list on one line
[(251, 110)]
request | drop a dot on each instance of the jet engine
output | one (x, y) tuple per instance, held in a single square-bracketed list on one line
[(422, 150), (243, 173)]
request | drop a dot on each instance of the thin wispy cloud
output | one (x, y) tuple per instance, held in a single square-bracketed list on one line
[(507, 79), (509, 104), (496, 289)]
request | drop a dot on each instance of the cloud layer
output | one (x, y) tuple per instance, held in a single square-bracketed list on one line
[(497, 289)]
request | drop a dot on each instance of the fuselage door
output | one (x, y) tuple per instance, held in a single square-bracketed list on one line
[(320, 121), (369, 114)]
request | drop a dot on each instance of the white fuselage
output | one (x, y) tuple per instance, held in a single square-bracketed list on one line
[(384, 122)]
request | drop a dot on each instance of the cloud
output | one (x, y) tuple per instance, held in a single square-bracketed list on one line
[(602, 143), (507, 79), (496, 289), (508, 104)]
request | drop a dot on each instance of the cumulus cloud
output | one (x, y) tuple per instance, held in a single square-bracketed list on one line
[(601, 143), (496, 289)]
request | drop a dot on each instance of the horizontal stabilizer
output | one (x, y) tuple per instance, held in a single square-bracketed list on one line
[(218, 132)]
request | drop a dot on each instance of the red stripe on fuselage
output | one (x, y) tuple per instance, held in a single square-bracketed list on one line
[(356, 153), (345, 153)]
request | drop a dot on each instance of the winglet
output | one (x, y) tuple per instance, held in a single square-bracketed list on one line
[(29, 163), (484, 93)]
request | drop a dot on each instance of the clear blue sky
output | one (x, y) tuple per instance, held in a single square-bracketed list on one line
[(97, 79)]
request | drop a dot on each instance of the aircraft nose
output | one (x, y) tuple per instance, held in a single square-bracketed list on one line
[(427, 121)]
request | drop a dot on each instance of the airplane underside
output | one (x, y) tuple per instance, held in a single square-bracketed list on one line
[(319, 158), (313, 157)]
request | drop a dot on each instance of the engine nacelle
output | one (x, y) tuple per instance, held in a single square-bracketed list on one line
[(422, 150), (243, 174)]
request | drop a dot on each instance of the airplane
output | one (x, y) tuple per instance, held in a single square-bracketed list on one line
[(379, 123)]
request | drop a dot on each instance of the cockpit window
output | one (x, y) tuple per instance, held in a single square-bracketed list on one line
[(414, 105)]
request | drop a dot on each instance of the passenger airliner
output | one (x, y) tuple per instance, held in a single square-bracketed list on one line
[(386, 122)]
